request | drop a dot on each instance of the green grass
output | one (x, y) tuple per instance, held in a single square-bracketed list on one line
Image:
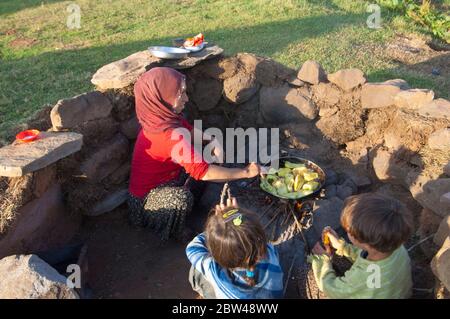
[(60, 64)]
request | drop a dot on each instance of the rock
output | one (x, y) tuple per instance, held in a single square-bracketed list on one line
[(440, 140), (411, 131), (377, 95), (413, 98), (444, 201), (29, 277), (347, 79), (124, 72), (312, 72), (41, 224), (332, 128), (271, 73), (439, 108), (326, 93), (195, 58), (97, 131), (207, 93), (331, 191), (327, 212), (284, 105), (427, 191), (428, 225), (123, 105), (447, 169), (440, 265), (443, 231), (247, 113), (388, 168), (106, 160), (392, 141), (331, 177), (359, 180), (343, 192), (130, 128), (220, 69), (19, 159), (120, 175), (240, 87), (109, 203), (85, 107)]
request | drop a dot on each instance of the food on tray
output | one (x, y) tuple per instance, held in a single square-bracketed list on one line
[(292, 181), (195, 41)]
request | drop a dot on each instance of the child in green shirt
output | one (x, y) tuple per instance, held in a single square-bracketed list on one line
[(377, 226)]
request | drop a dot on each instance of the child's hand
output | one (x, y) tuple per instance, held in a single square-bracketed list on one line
[(334, 238), (230, 203), (318, 249)]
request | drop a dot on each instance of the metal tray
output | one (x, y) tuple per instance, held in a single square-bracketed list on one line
[(168, 52), (309, 164)]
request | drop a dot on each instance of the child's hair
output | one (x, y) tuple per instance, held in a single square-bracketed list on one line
[(379, 221), (235, 244)]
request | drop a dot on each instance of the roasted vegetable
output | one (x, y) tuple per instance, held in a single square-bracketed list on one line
[(292, 181), (310, 186), (293, 165)]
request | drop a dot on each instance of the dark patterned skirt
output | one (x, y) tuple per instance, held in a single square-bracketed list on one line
[(165, 207)]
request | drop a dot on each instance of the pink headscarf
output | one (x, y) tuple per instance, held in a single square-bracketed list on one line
[(156, 92)]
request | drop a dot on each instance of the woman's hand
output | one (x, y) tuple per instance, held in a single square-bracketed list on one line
[(252, 170)]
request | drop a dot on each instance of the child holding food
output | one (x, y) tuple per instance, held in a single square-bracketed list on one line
[(377, 226), (232, 259)]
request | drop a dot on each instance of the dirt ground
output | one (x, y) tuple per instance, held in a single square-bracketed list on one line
[(125, 262)]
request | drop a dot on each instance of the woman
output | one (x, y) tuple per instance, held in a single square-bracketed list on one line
[(159, 196)]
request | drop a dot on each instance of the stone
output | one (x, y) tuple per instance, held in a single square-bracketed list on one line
[(378, 95), (247, 113), (327, 212), (388, 168), (347, 79), (413, 98), (284, 105), (124, 72), (444, 201), (343, 192), (440, 140), (331, 177), (428, 225), (447, 169), (109, 203), (29, 277), (392, 141), (18, 159), (443, 231), (120, 175), (427, 190), (440, 265), (311, 72), (439, 108), (240, 87), (195, 58), (207, 93), (69, 113), (130, 128), (331, 191), (326, 93), (107, 159), (40, 225), (97, 131)]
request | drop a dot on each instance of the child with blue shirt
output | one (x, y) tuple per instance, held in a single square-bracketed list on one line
[(232, 259)]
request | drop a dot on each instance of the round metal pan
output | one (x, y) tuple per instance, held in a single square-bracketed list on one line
[(310, 165), (168, 52)]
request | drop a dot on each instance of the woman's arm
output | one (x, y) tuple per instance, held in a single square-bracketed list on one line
[(219, 174)]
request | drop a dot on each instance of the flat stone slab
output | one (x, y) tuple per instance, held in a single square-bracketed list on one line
[(19, 159), (124, 72)]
